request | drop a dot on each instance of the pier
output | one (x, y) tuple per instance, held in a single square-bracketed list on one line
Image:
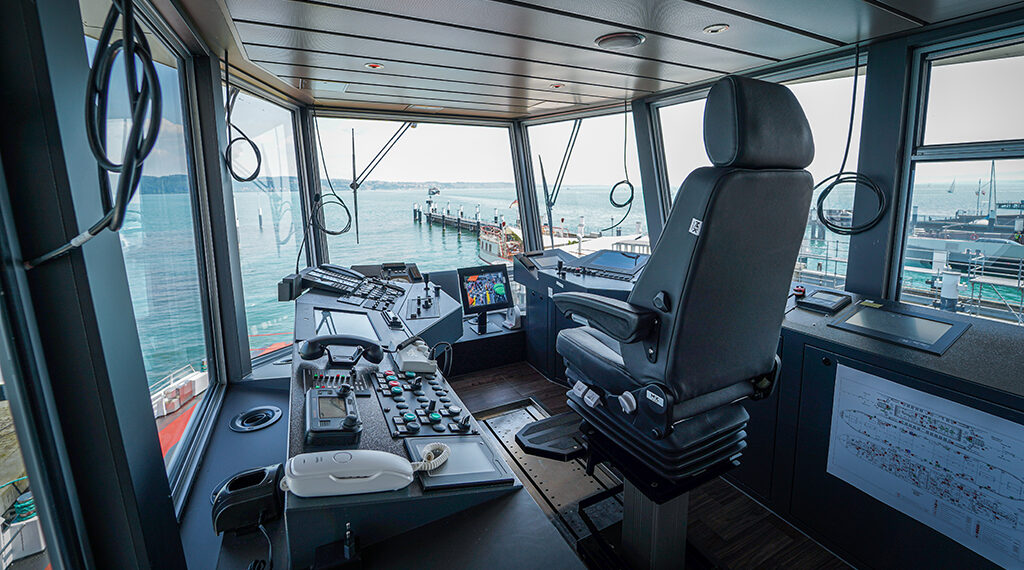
[(458, 221)]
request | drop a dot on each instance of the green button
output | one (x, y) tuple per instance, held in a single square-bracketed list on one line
[(434, 417), (396, 390), (409, 417), (410, 374), (391, 377)]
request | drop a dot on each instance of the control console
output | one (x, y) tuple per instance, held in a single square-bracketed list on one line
[(421, 404)]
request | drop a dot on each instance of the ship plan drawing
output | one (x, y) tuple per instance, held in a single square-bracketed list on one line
[(954, 468)]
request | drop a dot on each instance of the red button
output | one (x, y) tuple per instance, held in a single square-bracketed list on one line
[(394, 383), (389, 372)]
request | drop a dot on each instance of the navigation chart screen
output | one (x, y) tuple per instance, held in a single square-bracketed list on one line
[(485, 288)]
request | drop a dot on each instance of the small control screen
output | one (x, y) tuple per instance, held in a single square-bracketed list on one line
[(329, 321), (828, 297), (618, 260), (332, 407), (485, 288)]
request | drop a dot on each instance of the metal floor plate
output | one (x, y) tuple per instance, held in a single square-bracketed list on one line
[(557, 486)]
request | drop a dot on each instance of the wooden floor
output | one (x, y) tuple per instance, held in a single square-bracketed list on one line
[(726, 526)]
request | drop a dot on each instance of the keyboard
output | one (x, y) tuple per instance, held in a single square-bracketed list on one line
[(331, 281)]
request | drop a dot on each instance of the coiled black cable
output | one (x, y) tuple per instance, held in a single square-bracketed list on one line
[(144, 98), (856, 178), (232, 95), (321, 200), (628, 202)]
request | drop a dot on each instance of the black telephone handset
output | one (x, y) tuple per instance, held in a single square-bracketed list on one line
[(314, 348)]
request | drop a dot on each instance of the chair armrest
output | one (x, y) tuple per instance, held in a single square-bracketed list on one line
[(618, 319)]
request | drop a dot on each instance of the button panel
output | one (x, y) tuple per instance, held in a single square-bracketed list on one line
[(423, 403)]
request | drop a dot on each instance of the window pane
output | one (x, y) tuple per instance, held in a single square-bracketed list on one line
[(826, 102), (583, 205), (976, 97), (268, 215), (440, 169), (966, 224), (159, 247), (682, 134)]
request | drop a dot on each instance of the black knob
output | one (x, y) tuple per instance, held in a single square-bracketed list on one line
[(416, 382), (464, 422), (426, 281), (561, 264), (432, 406), (345, 390), (351, 421), (437, 290)]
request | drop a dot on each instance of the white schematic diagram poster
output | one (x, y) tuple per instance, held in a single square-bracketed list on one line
[(956, 469)]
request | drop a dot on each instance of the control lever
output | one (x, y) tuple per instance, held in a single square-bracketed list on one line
[(561, 268), (426, 283), (464, 423)]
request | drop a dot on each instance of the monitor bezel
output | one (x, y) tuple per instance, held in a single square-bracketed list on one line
[(479, 270)]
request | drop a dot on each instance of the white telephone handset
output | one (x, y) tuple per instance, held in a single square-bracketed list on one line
[(329, 473)]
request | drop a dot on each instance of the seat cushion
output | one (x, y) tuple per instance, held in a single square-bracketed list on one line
[(593, 357)]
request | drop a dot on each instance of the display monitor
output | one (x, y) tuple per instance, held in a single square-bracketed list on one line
[(485, 288), (332, 321)]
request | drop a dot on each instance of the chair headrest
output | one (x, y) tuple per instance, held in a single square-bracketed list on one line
[(750, 123)]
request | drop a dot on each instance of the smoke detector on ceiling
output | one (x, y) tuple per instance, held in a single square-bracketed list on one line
[(715, 29), (620, 40)]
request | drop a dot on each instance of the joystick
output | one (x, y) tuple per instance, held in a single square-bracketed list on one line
[(561, 268), (463, 424)]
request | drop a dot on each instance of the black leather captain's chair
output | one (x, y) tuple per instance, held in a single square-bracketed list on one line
[(659, 375)]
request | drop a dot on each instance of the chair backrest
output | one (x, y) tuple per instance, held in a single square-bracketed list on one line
[(724, 262)]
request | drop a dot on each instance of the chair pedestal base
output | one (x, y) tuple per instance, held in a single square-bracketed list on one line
[(653, 535)]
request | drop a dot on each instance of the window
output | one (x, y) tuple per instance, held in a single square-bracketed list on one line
[(965, 219), (444, 196), (585, 214), (158, 241), (826, 102), (682, 134), (268, 215)]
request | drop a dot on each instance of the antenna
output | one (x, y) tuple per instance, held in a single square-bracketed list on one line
[(355, 184)]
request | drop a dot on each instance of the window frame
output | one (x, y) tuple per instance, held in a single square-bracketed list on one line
[(320, 112), (301, 172), (916, 151), (183, 463)]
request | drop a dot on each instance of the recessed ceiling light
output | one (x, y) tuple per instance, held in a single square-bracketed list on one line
[(620, 40), (716, 29), (557, 85), (375, 65), (423, 108)]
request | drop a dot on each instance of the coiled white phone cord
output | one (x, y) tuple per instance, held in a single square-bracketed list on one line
[(434, 456)]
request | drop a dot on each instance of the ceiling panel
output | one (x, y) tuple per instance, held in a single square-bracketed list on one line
[(939, 10), (523, 20), (413, 83), (319, 44), (506, 57), (685, 21), (848, 21), (447, 105), (355, 27), (338, 67)]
